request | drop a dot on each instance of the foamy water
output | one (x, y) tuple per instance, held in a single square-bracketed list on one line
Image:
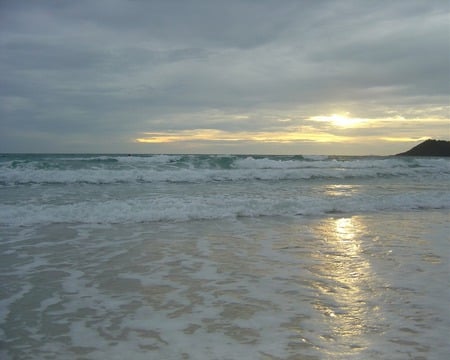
[(122, 189), (224, 257)]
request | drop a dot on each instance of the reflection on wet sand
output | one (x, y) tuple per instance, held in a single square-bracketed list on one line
[(346, 283)]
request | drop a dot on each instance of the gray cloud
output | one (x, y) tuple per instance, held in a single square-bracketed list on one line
[(101, 72)]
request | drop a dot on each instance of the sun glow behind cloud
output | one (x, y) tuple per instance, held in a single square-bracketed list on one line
[(339, 129), (343, 121), (289, 131)]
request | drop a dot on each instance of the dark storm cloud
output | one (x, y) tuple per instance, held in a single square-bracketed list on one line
[(102, 70)]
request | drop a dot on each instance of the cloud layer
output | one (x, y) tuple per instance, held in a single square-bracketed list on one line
[(124, 76)]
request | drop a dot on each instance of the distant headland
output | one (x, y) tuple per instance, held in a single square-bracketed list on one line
[(429, 148)]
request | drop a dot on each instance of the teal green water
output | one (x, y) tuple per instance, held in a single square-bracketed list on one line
[(224, 257)]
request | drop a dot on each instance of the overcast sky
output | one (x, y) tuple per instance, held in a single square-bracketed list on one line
[(206, 76)]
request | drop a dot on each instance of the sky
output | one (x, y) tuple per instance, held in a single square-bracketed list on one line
[(344, 77)]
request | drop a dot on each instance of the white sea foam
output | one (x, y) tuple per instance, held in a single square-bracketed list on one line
[(351, 287), (186, 207), (242, 170)]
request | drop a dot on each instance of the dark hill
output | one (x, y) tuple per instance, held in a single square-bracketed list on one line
[(429, 148)]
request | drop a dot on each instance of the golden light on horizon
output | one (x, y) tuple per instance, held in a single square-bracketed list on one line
[(405, 139), (339, 129), (214, 135)]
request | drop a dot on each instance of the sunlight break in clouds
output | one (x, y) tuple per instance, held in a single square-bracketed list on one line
[(321, 129), (343, 121)]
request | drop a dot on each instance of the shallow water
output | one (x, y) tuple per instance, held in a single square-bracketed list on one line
[(224, 257), (360, 286)]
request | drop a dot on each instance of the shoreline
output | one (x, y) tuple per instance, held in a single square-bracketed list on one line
[(341, 286)]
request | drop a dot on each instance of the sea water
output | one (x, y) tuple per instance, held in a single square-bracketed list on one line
[(224, 257)]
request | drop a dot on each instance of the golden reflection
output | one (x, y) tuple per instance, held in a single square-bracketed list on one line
[(344, 280), (340, 190), (345, 229)]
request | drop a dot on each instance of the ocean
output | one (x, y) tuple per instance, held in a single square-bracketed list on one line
[(224, 257)]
